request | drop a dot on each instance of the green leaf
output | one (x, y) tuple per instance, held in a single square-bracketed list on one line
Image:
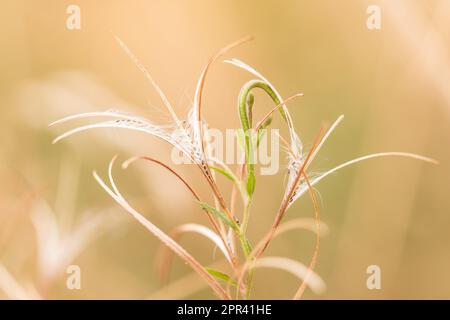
[(240, 138), (219, 214), (227, 174), (266, 123), (250, 100), (247, 247), (261, 134), (221, 276), (251, 181)]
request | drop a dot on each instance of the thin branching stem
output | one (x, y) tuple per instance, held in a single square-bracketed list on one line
[(313, 262), (285, 203), (196, 196), (162, 236)]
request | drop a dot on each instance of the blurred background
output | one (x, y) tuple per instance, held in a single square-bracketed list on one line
[(392, 85)]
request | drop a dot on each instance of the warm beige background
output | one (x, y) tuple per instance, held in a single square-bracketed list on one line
[(392, 85)]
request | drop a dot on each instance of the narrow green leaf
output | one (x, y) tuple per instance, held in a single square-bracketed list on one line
[(250, 100), (224, 173), (251, 181), (261, 134), (266, 123), (240, 139), (247, 247), (219, 214), (221, 276)]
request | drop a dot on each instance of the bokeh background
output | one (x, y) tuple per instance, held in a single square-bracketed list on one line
[(392, 85)]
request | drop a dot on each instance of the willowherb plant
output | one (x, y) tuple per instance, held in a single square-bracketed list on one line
[(229, 228)]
